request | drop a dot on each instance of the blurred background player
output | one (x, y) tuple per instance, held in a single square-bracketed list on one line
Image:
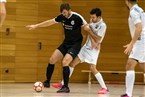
[(90, 51), (136, 48), (2, 12), (68, 50)]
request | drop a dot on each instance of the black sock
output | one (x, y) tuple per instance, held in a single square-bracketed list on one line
[(49, 72), (66, 73)]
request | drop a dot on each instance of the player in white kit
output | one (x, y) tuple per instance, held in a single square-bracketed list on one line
[(90, 51), (136, 48), (2, 11)]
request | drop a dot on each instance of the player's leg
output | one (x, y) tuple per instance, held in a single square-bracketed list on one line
[(2, 12), (99, 77), (137, 56), (71, 67), (74, 63), (130, 77), (66, 71), (79, 58), (68, 58), (60, 84), (56, 56)]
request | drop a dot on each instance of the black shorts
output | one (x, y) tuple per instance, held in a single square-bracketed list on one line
[(73, 50)]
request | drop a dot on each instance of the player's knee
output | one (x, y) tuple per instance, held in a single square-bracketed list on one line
[(3, 12), (129, 65), (72, 65), (92, 68), (65, 62), (52, 60)]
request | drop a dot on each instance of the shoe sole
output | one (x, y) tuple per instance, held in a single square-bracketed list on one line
[(63, 92)]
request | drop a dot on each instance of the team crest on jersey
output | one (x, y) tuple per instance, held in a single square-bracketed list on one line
[(72, 22), (63, 24), (96, 26)]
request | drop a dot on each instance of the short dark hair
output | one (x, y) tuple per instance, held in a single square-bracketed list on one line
[(64, 6), (132, 1), (96, 11)]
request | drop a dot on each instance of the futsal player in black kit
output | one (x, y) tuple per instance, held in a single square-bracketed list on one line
[(70, 47)]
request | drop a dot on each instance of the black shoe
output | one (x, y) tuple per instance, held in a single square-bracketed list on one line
[(46, 84), (64, 90), (125, 95)]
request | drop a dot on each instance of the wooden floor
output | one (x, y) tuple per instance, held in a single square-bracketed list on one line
[(77, 90)]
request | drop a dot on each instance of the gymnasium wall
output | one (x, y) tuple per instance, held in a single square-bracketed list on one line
[(24, 54)]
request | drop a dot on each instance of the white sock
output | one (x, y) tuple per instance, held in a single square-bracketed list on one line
[(130, 78), (100, 80), (71, 71)]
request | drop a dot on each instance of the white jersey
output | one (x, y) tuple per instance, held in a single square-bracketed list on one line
[(99, 29), (2, 0), (137, 15), (87, 54)]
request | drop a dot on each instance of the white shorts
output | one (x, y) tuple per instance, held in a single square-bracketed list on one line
[(2, 0), (88, 55), (138, 51)]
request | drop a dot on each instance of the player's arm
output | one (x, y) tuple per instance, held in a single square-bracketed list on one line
[(138, 25), (94, 36), (2, 12), (137, 34), (94, 44), (43, 24)]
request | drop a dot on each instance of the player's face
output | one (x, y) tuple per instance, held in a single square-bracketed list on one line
[(66, 13), (94, 18)]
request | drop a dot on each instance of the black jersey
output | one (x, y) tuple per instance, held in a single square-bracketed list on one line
[(72, 27)]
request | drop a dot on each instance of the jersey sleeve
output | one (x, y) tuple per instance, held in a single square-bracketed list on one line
[(102, 30), (81, 19), (135, 17), (3, 1), (58, 18)]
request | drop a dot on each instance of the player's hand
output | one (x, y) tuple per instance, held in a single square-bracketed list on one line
[(128, 48), (31, 27)]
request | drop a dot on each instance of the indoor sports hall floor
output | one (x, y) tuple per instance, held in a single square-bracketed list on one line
[(77, 90)]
